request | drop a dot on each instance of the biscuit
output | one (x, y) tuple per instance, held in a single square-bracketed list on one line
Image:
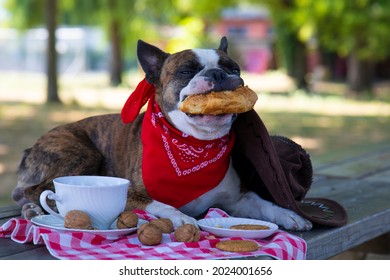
[(249, 227), (237, 101), (237, 246)]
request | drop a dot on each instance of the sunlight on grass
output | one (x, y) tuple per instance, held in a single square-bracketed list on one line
[(22, 87), (4, 149), (93, 90), (9, 113), (330, 106), (307, 142)]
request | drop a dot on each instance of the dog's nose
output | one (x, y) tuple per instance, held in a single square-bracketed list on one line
[(221, 80), (216, 74)]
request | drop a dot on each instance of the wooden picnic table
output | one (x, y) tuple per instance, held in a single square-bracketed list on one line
[(361, 184)]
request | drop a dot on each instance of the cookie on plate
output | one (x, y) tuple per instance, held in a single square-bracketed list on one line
[(237, 246), (249, 227)]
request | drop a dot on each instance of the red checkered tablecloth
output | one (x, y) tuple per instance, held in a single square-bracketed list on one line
[(87, 246)]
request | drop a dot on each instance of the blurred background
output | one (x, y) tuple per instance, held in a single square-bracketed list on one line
[(321, 67)]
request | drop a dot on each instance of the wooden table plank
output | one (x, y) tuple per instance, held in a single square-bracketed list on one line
[(383, 177), (9, 211), (326, 243), (11, 250), (360, 198), (358, 167), (40, 253), (366, 198)]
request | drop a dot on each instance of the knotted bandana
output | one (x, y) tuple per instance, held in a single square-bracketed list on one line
[(136, 101)]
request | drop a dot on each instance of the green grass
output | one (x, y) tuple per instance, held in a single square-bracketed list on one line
[(329, 126)]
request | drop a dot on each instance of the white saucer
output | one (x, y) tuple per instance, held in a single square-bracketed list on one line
[(221, 227), (52, 222)]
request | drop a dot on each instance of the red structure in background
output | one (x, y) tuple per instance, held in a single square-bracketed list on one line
[(251, 42), (250, 37)]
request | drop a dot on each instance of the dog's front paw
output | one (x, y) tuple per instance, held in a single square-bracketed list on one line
[(292, 221), (179, 219), (162, 210), (31, 210)]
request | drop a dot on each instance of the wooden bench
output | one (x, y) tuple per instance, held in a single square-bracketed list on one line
[(360, 184)]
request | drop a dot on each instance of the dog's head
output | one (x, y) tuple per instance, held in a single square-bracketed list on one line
[(195, 71)]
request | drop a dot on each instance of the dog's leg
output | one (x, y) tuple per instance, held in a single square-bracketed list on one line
[(252, 206), (31, 210), (162, 210), (138, 198)]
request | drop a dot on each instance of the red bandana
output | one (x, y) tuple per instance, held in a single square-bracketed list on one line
[(176, 168), (136, 100)]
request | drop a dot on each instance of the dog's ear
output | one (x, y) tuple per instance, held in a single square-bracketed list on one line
[(223, 45), (151, 59)]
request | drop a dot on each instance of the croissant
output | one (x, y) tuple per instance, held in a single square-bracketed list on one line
[(237, 101)]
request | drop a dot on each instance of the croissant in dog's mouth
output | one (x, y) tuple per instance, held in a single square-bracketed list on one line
[(237, 101)]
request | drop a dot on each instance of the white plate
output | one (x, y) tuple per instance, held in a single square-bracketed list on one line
[(52, 222), (221, 227)]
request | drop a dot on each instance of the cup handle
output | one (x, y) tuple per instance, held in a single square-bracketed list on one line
[(50, 195)]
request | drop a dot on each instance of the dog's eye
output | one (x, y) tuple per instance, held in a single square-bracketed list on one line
[(236, 72), (187, 72)]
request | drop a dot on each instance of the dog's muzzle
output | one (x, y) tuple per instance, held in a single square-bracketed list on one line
[(222, 80)]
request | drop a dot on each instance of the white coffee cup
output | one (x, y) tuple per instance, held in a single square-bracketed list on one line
[(102, 198)]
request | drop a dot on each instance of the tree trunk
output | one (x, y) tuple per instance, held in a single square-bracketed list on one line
[(300, 65), (116, 55), (51, 25), (359, 76), (292, 54)]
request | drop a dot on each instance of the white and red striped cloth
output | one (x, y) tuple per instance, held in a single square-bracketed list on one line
[(86, 246)]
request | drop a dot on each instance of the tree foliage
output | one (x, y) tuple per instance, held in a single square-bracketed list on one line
[(344, 26), (357, 29), (126, 21), (26, 14)]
